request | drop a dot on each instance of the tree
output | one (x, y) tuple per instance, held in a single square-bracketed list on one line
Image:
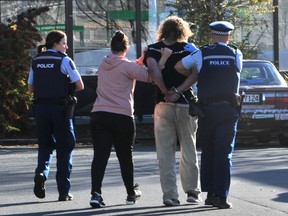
[(242, 13), (283, 15), (16, 38), (98, 11)]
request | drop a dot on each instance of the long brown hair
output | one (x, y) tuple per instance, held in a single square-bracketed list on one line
[(54, 36), (174, 27)]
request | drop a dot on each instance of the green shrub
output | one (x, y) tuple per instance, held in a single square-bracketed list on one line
[(16, 38)]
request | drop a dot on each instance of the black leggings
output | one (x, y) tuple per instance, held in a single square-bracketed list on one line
[(108, 129)]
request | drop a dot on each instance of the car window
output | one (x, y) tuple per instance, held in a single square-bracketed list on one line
[(260, 73)]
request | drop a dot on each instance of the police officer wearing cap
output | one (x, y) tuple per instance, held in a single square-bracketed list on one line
[(216, 68), (50, 77)]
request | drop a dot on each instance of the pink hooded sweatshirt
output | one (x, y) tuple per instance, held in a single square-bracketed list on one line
[(116, 83)]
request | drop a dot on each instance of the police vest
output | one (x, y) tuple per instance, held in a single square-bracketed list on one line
[(48, 80), (218, 75)]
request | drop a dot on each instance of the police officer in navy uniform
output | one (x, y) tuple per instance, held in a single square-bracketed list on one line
[(217, 70), (51, 76)]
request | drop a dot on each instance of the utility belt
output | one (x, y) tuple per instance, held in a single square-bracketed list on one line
[(196, 106), (235, 100), (68, 104), (59, 101)]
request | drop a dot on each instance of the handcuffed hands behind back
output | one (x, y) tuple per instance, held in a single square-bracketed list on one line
[(171, 96)]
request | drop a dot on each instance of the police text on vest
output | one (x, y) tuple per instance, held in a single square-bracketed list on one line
[(219, 63), (45, 65)]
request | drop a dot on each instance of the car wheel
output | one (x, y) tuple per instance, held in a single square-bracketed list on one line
[(263, 138), (283, 140)]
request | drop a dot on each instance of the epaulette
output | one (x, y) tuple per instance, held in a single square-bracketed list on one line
[(204, 46), (233, 46)]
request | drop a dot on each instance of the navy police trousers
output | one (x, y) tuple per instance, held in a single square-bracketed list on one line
[(55, 131), (216, 136)]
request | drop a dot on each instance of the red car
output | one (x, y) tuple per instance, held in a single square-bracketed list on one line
[(265, 107)]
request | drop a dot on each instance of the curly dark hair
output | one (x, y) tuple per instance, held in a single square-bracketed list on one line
[(174, 27)]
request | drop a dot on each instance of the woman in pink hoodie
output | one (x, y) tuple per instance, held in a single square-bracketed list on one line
[(112, 122)]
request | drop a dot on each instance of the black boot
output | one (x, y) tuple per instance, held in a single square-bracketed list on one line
[(210, 199), (222, 203), (39, 187)]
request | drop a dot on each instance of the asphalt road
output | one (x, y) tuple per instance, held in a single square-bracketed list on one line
[(259, 185)]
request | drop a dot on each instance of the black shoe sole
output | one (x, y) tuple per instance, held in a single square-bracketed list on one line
[(222, 206), (39, 187), (209, 203), (97, 205), (131, 200)]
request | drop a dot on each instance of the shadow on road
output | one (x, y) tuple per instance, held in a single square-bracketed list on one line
[(121, 210)]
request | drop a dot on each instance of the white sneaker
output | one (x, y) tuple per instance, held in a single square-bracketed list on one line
[(97, 201), (171, 202), (131, 199)]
